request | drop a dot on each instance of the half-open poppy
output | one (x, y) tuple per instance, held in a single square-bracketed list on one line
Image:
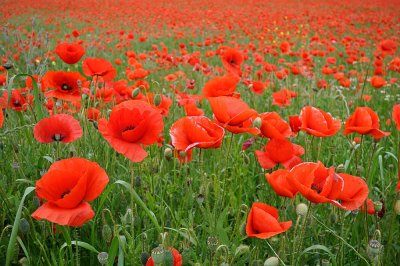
[(318, 123), (263, 223), (196, 131), (68, 186), (364, 121), (273, 126)]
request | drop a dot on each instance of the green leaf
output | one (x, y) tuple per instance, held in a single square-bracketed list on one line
[(112, 252), (13, 238), (139, 201), (319, 247), (80, 244)]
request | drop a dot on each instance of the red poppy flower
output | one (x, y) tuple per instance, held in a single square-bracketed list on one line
[(282, 98), (64, 85), (294, 123), (274, 127), (354, 193), (318, 123), (70, 53), (59, 127), (377, 82), (396, 115), (279, 183), (257, 87), (263, 223), (364, 121), (196, 131), (175, 254), (220, 86), (68, 186), (232, 59), (99, 67), (233, 114), (315, 182), (1, 117), (280, 151), (131, 125), (192, 110)]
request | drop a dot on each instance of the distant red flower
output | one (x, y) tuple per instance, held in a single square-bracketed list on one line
[(70, 53), (58, 127), (263, 223), (196, 131), (257, 87), (132, 124), (273, 126), (396, 115), (364, 121), (388, 47), (233, 114), (220, 86), (99, 67), (284, 47), (318, 123), (92, 114), (1, 117), (377, 82), (232, 59), (63, 85), (282, 98), (279, 183), (175, 254), (280, 151), (68, 186)]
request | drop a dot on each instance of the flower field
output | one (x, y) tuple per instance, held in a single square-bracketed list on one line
[(200, 132)]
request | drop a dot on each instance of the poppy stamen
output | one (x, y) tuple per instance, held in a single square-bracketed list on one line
[(66, 87)]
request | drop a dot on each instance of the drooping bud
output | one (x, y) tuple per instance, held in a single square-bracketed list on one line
[(106, 233), (24, 226), (271, 261), (157, 100), (135, 92), (168, 153)]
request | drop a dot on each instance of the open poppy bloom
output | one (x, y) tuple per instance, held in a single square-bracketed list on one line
[(280, 151), (99, 67), (315, 182), (63, 85), (396, 115), (175, 254), (67, 187), (273, 126), (196, 131), (263, 223), (220, 86), (233, 114), (318, 123), (132, 124), (279, 183), (364, 121), (232, 59), (70, 53), (58, 127)]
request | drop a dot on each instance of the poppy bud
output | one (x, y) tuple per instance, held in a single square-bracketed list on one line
[(8, 65), (168, 153), (257, 122), (102, 257), (378, 206), (168, 259), (241, 250), (325, 262), (182, 154), (157, 100), (106, 233), (271, 261), (144, 257), (135, 92), (397, 207), (200, 199), (212, 242), (24, 226), (128, 217), (243, 229), (374, 248), (301, 209), (158, 255)]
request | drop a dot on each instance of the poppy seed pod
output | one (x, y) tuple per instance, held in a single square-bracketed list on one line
[(102, 257), (271, 261), (212, 242), (301, 209), (158, 255), (157, 100), (374, 248)]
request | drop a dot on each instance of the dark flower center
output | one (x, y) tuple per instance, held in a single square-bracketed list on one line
[(58, 137), (65, 193), (128, 128), (66, 87), (17, 103)]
